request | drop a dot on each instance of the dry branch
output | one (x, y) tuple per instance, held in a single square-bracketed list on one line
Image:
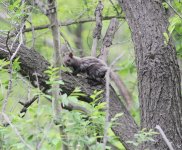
[(72, 22), (98, 28), (107, 42)]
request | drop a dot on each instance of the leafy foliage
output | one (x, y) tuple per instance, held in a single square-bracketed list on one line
[(143, 136)]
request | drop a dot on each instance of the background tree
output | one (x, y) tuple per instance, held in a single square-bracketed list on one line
[(158, 71)]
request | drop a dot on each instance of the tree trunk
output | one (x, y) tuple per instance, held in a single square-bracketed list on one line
[(158, 71)]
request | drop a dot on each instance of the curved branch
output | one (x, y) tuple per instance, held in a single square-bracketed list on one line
[(32, 61)]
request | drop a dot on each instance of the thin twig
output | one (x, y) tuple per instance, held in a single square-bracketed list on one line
[(7, 46), (116, 59), (66, 41), (105, 138), (123, 91), (72, 22), (5, 101), (27, 104), (175, 11), (18, 48), (164, 137), (39, 145), (116, 10), (107, 41), (4, 50), (6, 118)]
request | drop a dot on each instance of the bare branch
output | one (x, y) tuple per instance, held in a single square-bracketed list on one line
[(72, 22), (175, 11), (66, 41), (105, 138), (164, 137), (57, 56), (69, 106), (27, 104), (21, 42), (107, 42), (8, 37), (57, 109), (116, 10), (6, 118), (39, 145), (98, 27), (11, 57)]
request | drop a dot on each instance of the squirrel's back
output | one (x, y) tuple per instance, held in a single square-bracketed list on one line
[(94, 67)]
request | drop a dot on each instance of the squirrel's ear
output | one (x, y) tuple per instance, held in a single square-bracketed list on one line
[(71, 55)]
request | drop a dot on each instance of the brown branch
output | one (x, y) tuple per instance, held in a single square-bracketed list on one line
[(107, 95), (57, 56), (164, 137), (72, 22), (69, 106), (107, 42), (32, 61), (98, 28), (41, 6), (7, 46), (56, 106), (27, 104), (114, 7)]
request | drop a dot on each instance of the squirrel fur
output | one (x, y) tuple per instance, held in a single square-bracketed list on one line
[(95, 69)]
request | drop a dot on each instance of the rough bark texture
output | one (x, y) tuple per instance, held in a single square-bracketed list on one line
[(158, 71), (98, 28), (32, 61), (108, 38), (98, 18)]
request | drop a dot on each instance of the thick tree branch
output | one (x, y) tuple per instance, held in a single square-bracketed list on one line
[(158, 71), (32, 61)]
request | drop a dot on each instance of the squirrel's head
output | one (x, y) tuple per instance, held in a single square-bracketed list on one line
[(68, 59)]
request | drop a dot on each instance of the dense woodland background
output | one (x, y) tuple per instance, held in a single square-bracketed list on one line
[(146, 35)]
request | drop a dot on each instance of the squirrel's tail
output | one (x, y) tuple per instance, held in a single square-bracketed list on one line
[(121, 88)]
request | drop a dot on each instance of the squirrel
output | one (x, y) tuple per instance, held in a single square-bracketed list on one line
[(96, 70)]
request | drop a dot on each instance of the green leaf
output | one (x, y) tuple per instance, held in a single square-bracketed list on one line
[(16, 64), (64, 99), (72, 99), (165, 5), (166, 40)]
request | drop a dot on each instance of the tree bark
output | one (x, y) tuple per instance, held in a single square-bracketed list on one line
[(32, 61), (158, 71)]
